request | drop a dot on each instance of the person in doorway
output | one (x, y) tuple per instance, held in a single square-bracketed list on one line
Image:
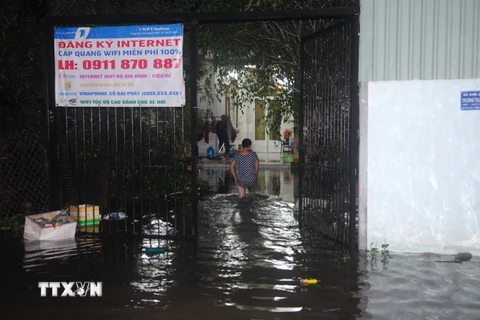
[(232, 135), (221, 134), (226, 134), (244, 168)]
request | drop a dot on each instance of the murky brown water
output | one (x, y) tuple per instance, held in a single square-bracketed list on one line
[(248, 263)]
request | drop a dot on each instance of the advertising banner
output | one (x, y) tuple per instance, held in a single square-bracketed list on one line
[(120, 66)]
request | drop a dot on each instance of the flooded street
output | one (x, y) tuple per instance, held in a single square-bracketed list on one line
[(249, 260)]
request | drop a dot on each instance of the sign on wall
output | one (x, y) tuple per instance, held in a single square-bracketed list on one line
[(470, 100), (136, 66)]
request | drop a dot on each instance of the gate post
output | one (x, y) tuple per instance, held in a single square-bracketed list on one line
[(354, 125), (301, 153), (52, 124), (193, 121)]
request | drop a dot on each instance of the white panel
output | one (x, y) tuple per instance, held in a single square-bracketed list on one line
[(363, 166), (423, 166)]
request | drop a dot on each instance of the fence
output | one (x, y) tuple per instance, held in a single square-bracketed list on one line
[(129, 161), (24, 180)]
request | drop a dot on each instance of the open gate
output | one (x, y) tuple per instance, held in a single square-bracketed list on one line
[(132, 160), (329, 143)]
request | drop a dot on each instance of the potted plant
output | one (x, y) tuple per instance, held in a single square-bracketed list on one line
[(287, 134)]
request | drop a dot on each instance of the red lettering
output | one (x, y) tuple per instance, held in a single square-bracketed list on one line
[(74, 44), (122, 43)]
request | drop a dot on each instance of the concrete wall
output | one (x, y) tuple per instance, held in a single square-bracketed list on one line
[(419, 166)]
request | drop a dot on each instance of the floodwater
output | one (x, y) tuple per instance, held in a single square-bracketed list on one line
[(248, 263)]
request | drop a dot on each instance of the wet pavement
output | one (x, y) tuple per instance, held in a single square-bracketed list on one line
[(249, 260)]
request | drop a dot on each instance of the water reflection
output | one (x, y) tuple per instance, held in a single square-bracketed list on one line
[(278, 182), (262, 258), (249, 260), (152, 271), (415, 286), (38, 253), (251, 255), (156, 226)]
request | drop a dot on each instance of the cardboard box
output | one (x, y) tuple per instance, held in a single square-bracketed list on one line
[(35, 231), (85, 214)]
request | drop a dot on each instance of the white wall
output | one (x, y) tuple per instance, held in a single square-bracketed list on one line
[(420, 174), (246, 124)]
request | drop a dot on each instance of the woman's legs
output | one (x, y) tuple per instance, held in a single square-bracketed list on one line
[(241, 191), (244, 185)]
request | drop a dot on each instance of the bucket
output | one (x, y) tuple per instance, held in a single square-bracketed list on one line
[(287, 159), (210, 153)]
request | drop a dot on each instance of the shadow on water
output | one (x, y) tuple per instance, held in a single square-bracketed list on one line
[(250, 257)]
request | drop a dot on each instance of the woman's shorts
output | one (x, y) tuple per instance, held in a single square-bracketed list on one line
[(250, 185)]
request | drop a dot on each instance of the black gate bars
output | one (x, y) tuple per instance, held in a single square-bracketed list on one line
[(131, 160), (329, 131)]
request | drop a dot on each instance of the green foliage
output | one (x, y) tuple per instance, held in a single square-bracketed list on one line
[(373, 253), (12, 224), (385, 253), (272, 47)]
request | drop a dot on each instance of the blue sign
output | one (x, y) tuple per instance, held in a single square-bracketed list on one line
[(140, 31), (470, 100), (135, 66)]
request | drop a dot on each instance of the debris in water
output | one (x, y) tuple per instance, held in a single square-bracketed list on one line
[(153, 251), (115, 216), (306, 282), (463, 256), (332, 310), (460, 257)]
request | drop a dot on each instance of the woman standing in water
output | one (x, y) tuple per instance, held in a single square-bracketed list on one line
[(248, 166)]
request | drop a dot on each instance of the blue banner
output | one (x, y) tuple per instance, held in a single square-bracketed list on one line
[(139, 31), (138, 66)]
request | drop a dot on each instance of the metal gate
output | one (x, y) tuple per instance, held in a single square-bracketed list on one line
[(329, 143), (132, 160), (137, 164)]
